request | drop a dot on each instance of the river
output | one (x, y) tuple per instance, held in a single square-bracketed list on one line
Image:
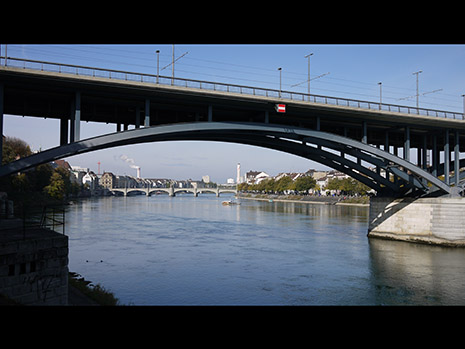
[(188, 250)]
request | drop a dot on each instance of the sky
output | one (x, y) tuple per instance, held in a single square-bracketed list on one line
[(350, 71)]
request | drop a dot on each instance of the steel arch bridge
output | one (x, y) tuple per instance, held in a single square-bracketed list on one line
[(351, 136), (395, 177)]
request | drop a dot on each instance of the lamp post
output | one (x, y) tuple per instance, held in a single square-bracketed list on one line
[(463, 117), (158, 63), (280, 69), (380, 94), (308, 88)]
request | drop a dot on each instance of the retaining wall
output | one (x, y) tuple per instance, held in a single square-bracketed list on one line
[(429, 220), (34, 266)]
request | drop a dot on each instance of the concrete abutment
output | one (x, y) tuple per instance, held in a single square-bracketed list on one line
[(438, 221)]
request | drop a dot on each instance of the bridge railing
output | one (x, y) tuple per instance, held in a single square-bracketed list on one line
[(223, 87)]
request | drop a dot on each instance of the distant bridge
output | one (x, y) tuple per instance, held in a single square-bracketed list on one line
[(172, 191)]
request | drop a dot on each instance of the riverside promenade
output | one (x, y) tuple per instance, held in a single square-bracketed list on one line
[(308, 199)]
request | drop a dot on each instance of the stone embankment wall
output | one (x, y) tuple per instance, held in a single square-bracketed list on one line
[(428, 220), (34, 266)]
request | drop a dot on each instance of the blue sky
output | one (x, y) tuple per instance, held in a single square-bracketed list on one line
[(354, 72)]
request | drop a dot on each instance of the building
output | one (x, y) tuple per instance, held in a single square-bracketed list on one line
[(255, 177), (316, 174), (61, 163), (91, 180), (292, 175), (323, 181), (108, 180)]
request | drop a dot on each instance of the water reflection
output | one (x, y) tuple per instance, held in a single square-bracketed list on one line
[(407, 273)]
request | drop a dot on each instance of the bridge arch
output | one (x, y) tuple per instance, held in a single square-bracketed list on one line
[(400, 176)]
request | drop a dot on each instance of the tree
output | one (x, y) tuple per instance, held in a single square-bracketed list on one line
[(304, 183), (243, 186), (56, 188), (284, 183), (13, 149), (348, 185)]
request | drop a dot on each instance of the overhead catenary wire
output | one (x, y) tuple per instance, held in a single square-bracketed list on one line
[(240, 72)]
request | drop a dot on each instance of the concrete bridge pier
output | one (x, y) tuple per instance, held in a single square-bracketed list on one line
[(436, 221)]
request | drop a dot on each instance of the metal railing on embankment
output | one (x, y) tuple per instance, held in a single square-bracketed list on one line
[(29, 218)]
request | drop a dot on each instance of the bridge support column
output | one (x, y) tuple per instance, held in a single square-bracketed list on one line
[(1, 123), (424, 163), (407, 143), (435, 156), (77, 117), (364, 133), (210, 113), (137, 117), (456, 158), (446, 157), (435, 221), (147, 113), (63, 130)]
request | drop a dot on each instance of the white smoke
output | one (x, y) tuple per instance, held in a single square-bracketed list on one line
[(129, 161)]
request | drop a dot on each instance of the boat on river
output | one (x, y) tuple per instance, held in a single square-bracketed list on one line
[(230, 202)]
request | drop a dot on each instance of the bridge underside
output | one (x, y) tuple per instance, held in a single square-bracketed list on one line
[(388, 174)]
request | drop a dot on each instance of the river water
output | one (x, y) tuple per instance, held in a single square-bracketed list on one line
[(188, 250)]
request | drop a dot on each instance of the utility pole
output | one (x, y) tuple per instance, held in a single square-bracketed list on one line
[(172, 68), (308, 88), (172, 65), (418, 94)]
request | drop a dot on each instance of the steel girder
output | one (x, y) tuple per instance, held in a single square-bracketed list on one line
[(307, 143)]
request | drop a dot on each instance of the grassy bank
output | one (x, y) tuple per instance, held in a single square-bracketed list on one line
[(95, 293)]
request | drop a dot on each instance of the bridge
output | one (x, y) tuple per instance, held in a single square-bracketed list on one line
[(172, 191), (352, 136), (370, 141)]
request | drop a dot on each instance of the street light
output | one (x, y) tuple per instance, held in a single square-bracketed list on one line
[(463, 117), (380, 94), (158, 63), (308, 56), (418, 72), (280, 69)]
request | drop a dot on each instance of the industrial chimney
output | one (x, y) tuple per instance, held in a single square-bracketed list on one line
[(238, 173), (138, 171)]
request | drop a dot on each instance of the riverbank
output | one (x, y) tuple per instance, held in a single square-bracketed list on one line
[(363, 201), (80, 292)]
